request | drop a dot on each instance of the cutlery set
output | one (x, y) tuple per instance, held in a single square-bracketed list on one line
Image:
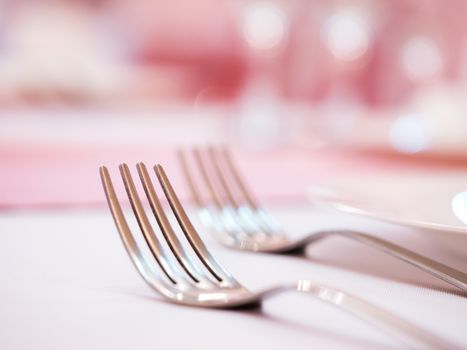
[(187, 274)]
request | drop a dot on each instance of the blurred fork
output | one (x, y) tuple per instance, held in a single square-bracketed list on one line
[(240, 222), (201, 281)]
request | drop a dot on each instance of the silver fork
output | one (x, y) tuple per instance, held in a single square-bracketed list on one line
[(240, 222), (201, 281)]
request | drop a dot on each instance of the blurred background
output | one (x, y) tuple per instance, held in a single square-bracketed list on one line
[(384, 77)]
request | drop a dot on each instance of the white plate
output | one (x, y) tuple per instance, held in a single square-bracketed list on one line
[(435, 202)]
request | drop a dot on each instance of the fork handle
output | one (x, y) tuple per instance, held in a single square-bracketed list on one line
[(448, 274), (408, 333)]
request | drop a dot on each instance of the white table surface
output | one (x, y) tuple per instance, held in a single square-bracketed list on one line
[(67, 283)]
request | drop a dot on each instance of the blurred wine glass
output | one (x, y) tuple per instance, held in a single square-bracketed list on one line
[(264, 27)]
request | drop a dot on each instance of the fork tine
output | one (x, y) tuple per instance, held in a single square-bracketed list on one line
[(243, 214), (190, 232), (165, 226), (207, 180), (250, 215), (238, 179), (230, 216), (189, 179), (125, 233), (222, 179), (144, 224)]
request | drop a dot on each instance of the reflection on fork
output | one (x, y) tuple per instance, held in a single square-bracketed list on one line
[(201, 281), (238, 221)]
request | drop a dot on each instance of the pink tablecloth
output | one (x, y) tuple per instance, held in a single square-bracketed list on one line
[(36, 176)]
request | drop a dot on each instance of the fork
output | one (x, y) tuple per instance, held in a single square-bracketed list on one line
[(202, 282), (240, 222)]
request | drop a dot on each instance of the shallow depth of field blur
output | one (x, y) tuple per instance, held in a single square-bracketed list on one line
[(284, 83), (385, 75)]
